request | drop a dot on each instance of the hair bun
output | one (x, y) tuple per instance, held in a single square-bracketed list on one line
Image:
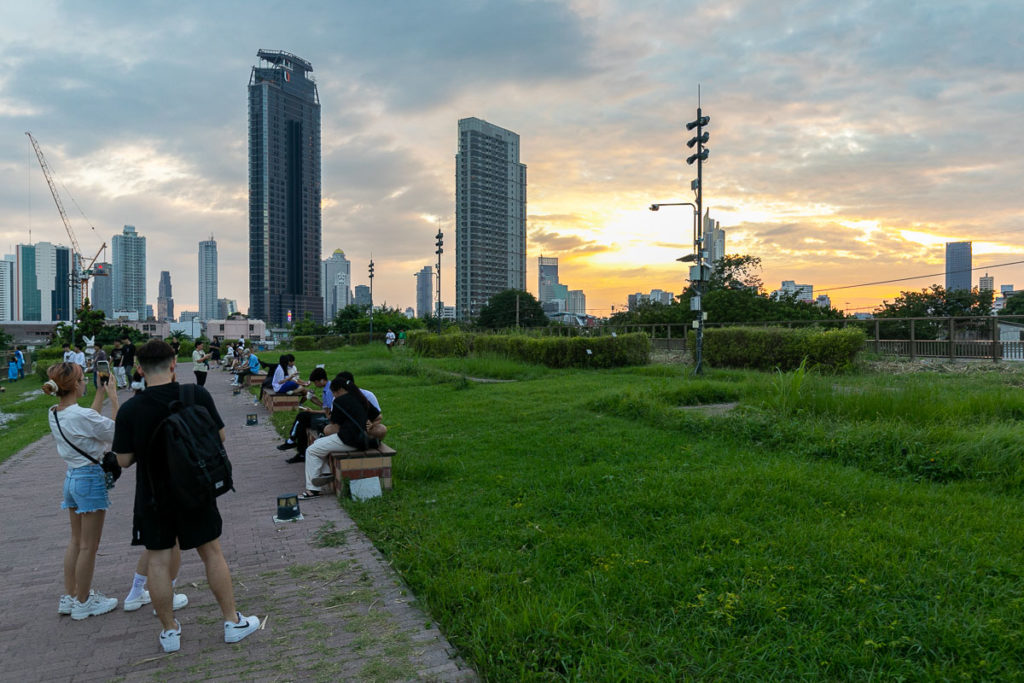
[(50, 387)]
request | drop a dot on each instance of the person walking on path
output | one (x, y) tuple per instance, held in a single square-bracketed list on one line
[(200, 363), (128, 357), (159, 524), (82, 436)]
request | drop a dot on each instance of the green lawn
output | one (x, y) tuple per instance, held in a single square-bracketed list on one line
[(585, 525), (590, 525)]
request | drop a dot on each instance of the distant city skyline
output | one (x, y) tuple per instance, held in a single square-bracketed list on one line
[(804, 171)]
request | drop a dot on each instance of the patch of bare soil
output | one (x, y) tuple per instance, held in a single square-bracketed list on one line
[(710, 409), (669, 357)]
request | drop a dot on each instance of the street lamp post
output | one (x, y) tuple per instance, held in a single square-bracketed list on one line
[(697, 257), (440, 250), (371, 299)]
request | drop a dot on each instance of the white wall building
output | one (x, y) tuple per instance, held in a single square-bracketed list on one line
[(335, 283)]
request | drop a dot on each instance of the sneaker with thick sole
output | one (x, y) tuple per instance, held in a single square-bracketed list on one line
[(170, 640), (180, 602), (130, 605), (65, 605), (96, 605), (234, 632), (287, 445)]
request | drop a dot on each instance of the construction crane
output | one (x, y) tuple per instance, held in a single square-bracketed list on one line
[(80, 275)]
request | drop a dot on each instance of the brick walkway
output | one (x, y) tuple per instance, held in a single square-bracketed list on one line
[(334, 609)]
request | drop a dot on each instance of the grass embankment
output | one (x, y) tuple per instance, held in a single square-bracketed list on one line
[(23, 406), (582, 525)]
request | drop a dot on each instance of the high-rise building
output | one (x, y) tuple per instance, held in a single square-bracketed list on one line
[(577, 302), (986, 283), (129, 286), (547, 278), (490, 215), (187, 316), (42, 282), (714, 238), (6, 289), (791, 288), (284, 190), (102, 289), (958, 266), (424, 292), (165, 297), (208, 279), (362, 295), (226, 307), (335, 283)]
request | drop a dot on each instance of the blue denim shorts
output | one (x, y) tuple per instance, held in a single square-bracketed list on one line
[(85, 489)]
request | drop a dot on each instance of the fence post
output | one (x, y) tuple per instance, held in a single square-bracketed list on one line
[(952, 336), (878, 344), (913, 341), (995, 339)]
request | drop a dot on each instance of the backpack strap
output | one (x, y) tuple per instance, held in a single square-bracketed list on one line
[(187, 394)]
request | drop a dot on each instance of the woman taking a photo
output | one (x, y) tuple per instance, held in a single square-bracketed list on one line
[(80, 432)]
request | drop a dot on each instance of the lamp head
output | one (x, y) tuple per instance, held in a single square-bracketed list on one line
[(654, 207)]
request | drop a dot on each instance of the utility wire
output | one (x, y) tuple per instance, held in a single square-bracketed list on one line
[(915, 277)]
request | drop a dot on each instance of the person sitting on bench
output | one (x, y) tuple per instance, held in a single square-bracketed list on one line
[(309, 418), (351, 413)]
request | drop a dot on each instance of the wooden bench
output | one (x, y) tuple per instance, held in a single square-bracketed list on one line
[(255, 380), (375, 462), (277, 403)]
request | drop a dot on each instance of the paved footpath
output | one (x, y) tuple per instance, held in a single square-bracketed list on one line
[(334, 610)]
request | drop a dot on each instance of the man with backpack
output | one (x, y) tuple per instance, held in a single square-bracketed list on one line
[(157, 430)]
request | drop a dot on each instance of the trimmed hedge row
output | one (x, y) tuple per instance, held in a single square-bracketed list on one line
[(554, 352), (768, 348), (332, 341)]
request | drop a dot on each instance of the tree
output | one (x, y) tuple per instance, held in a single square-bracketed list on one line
[(500, 311), (1014, 305), (934, 302), (308, 327)]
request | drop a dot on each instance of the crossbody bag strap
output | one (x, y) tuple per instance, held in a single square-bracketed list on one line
[(362, 429), (57, 419)]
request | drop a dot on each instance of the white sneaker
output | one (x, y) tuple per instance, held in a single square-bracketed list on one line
[(180, 602), (234, 632), (96, 605), (65, 605), (170, 641), (132, 605)]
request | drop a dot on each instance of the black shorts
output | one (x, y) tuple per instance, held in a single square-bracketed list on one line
[(159, 531)]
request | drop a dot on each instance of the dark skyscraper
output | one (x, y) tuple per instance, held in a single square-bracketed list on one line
[(958, 266), (284, 190), (165, 297)]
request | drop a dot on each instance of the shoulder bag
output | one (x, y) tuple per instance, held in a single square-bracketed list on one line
[(111, 470)]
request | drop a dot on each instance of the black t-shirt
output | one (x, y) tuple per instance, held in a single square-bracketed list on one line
[(137, 420), (351, 427), (116, 354), (128, 355)]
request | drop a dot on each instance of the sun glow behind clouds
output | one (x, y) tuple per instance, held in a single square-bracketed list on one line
[(129, 169)]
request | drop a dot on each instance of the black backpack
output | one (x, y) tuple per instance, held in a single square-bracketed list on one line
[(197, 465)]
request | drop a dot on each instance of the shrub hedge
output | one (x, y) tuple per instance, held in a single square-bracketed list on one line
[(44, 358), (768, 348), (332, 341), (554, 352)]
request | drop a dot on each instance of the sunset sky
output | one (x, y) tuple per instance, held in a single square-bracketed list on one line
[(849, 141)]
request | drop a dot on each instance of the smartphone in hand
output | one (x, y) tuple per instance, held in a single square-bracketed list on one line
[(103, 370)]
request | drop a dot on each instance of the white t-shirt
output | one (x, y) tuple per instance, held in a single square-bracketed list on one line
[(198, 366), (80, 358), (372, 399), (85, 428)]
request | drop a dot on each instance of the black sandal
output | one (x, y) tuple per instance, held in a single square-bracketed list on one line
[(306, 495)]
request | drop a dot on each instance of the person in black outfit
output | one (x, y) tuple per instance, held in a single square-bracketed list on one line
[(351, 413), (128, 356), (158, 523)]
